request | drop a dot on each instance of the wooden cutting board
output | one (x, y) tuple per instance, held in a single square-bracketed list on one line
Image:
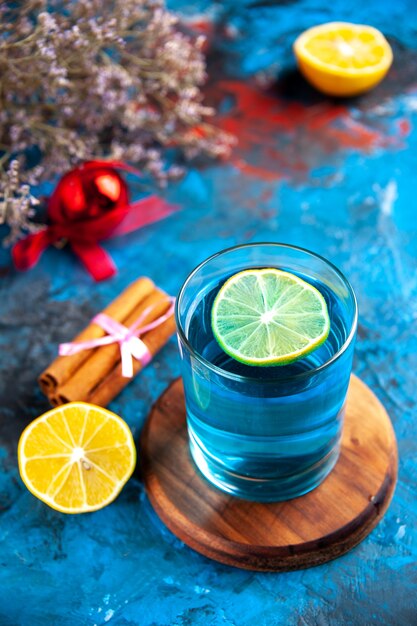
[(299, 533)]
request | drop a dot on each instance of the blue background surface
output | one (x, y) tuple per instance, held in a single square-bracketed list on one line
[(336, 177)]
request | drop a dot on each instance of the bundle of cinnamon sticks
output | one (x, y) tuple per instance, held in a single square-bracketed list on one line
[(95, 375)]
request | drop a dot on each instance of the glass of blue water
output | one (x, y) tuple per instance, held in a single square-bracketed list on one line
[(265, 433)]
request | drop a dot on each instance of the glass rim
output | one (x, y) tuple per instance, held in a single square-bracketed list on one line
[(293, 377)]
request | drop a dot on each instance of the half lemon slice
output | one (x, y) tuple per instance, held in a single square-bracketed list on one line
[(77, 457)]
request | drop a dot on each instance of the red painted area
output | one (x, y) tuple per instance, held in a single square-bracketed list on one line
[(404, 126), (357, 136), (280, 139), (254, 170)]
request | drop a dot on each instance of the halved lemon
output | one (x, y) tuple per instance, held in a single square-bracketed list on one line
[(77, 457), (343, 59)]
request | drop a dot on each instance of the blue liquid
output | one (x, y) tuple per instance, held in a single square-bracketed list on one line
[(271, 433)]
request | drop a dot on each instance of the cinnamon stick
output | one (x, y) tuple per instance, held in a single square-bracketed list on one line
[(115, 382), (89, 376), (63, 367)]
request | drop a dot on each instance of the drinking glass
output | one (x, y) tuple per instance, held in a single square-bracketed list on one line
[(264, 433)]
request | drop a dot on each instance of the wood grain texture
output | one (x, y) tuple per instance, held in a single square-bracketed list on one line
[(299, 533)]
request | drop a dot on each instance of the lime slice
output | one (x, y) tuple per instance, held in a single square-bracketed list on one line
[(269, 317)]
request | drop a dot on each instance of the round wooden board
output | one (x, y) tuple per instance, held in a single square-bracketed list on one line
[(298, 533)]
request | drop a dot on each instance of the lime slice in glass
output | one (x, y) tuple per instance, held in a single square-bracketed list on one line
[(269, 317)]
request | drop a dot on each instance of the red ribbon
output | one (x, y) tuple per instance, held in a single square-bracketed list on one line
[(83, 214)]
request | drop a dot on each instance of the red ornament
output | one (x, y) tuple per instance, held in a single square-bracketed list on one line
[(89, 204), (86, 192)]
